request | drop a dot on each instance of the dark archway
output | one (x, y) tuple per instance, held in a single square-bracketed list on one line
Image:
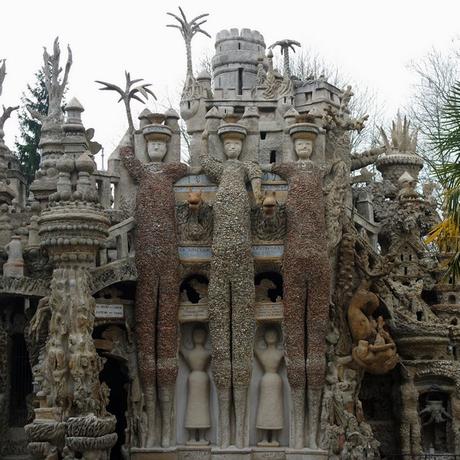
[(115, 375), (21, 381)]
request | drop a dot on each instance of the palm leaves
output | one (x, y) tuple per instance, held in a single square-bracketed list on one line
[(447, 234), (129, 93), (188, 31), (285, 46)]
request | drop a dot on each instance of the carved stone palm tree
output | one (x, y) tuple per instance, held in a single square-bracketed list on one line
[(6, 110), (285, 45), (129, 93), (188, 31)]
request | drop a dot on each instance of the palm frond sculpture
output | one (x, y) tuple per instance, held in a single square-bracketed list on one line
[(285, 46), (188, 30), (130, 92)]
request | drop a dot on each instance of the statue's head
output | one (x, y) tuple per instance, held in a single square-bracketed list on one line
[(303, 148), (157, 150), (199, 335), (271, 336), (232, 148), (157, 136), (303, 136), (232, 135)]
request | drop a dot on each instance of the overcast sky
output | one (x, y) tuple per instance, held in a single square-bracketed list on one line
[(371, 41)]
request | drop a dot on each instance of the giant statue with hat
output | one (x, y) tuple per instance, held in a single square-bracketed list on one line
[(157, 267), (306, 274), (231, 284)]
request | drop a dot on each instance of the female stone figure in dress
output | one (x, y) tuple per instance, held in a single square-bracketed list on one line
[(270, 409), (231, 284), (197, 415)]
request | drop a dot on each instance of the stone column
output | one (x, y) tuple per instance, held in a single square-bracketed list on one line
[(72, 414)]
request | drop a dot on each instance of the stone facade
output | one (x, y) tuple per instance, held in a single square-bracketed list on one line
[(265, 301)]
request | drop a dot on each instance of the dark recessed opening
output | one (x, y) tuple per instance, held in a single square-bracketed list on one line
[(263, 135), (275, 283), (273, 156), (21, 381), (419, 316), (192, 285), (240, 81)]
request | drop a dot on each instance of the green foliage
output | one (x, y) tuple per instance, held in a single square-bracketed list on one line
[(36, 98), (447, 142)]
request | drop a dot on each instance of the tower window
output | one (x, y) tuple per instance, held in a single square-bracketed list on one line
[(273, 156), (263, 135), (240, 81), (239, 45)]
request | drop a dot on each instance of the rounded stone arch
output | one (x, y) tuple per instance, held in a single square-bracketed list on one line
[(188, 270), (110, 274), (438, 375)]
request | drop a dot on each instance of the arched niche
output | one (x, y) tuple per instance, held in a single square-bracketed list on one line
[(193, 299), (255, 435), (268, 286), (434, 408), (182, 390)]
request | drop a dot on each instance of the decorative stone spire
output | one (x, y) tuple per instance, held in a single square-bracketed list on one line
[(400, 155), (51, 136)]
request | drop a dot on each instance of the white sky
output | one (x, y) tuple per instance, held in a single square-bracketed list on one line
[(371, 41)]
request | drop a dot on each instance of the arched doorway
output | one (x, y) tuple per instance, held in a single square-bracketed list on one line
[(115, 375)]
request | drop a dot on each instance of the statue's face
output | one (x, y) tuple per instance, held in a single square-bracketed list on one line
[(199, 336), (232, 148), (271, 336), (303, 148), (157, 150)]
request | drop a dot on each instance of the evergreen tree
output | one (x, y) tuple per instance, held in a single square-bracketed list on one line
[(36, 98)]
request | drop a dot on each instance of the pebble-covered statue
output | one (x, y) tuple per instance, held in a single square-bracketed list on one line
[(231, 284)]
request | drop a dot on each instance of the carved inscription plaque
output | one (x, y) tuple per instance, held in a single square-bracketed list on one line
[(105, 310), (193, 312), (269, 311)]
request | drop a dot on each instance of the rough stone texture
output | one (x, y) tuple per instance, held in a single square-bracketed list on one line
[(157, 293), (231, 288), (360, 289), (306, 285)]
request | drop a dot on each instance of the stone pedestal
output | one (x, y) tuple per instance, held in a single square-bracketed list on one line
[(153, 454), (194, 453), (232, 453), (306, 454), (269, 453)]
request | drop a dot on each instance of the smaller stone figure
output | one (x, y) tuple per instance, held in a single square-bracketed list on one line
[(197, 416), (374, 350), (434, 412), (270, 410), (14, 267)]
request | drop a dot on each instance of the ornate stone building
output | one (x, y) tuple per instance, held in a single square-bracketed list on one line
[(272, 299)]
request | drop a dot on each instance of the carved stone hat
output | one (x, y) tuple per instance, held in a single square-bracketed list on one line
[(157, 132), (230, 129), (307, 131)]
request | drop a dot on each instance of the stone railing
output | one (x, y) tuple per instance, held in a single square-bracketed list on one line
[(120, 242)]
